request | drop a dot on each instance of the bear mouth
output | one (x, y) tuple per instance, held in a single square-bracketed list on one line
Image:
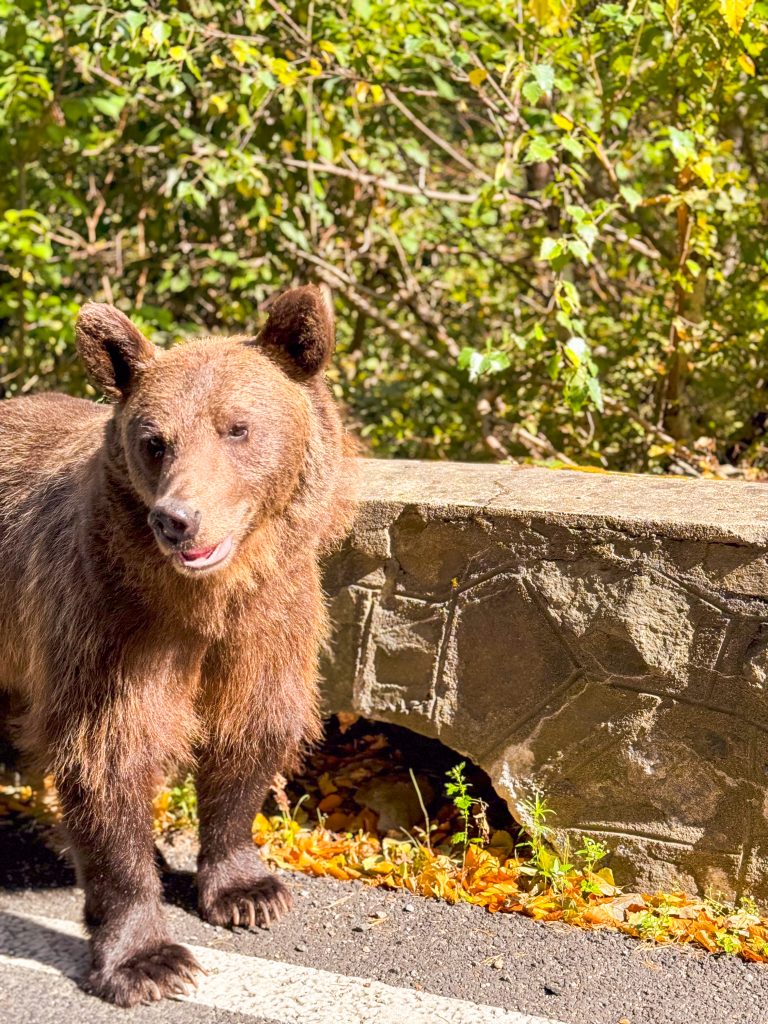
[(199, 559)]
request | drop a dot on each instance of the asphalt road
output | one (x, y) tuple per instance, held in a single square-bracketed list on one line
[(350, 954)]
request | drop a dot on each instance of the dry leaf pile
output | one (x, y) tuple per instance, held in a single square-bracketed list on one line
[(336, 819), (495, 878)]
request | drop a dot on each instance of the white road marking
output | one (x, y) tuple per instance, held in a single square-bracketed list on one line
[(249, 985)]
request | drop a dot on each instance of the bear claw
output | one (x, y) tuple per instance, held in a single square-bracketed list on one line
[(260, 904), (146, 977)]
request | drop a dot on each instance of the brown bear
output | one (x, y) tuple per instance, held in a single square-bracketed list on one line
[(160, 605)]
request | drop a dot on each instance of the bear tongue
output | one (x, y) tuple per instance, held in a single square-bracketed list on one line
[(198, 554)]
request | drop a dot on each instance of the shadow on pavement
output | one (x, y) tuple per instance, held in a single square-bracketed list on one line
[(25, 939), (28, 860), (179, 887)]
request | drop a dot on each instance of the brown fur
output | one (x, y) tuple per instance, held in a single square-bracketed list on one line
[(130, 664)]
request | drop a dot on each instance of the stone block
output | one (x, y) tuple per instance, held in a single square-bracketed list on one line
[(602, 639)]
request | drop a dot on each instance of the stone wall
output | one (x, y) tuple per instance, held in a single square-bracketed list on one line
[(600, 638)]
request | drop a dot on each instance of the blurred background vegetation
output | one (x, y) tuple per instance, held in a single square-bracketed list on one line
[(542, 221)]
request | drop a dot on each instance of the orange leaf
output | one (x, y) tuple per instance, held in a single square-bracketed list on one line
[(706, 939), (330, 803)]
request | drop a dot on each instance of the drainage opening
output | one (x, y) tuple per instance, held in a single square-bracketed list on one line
[(391, 782)]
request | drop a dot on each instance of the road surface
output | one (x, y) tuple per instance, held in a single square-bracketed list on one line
[(350, 954)]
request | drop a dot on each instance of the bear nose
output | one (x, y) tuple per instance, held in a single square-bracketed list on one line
[(174, 521)]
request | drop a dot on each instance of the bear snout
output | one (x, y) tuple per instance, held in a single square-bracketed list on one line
[(174, 522)]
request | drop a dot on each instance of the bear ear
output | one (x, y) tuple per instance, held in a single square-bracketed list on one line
[(300, 334), (113, 350)]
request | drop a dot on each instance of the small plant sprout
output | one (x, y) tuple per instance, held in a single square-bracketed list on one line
[(457, 788), (716, 901), (748, 906), (537, 812), (542, 860), (728, 942), (653, 924), (559, 869), (591, 852), (648, 925)]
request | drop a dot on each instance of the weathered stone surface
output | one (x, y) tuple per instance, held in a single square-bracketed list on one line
[(600, 638)]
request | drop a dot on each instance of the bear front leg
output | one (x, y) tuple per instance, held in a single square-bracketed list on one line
[(235, 888), (133, 957)]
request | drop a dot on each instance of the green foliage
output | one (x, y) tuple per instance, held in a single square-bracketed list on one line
[(539, 221), (471, 811), (545, 864), (653, 924), (178, 805), (457, 788), (591, 852), (729, 943)]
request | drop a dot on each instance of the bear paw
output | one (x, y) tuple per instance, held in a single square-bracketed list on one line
[(259, 904), (168, 970)]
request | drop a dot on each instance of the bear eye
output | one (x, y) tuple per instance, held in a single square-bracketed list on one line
[(155, 447), (238, 431)]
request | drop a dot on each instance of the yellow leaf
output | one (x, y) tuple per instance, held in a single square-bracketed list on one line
[(240, 51), (734, 12), (377, 93), (361, 91), (563, 122), (315, 67), (326, 46), (603, 881), (162, 800), (177, 53), (377, 865), (552, 16), (261, 823), (477, 76), (284, 72), (218, 103), (746, 64), (704, 169)]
